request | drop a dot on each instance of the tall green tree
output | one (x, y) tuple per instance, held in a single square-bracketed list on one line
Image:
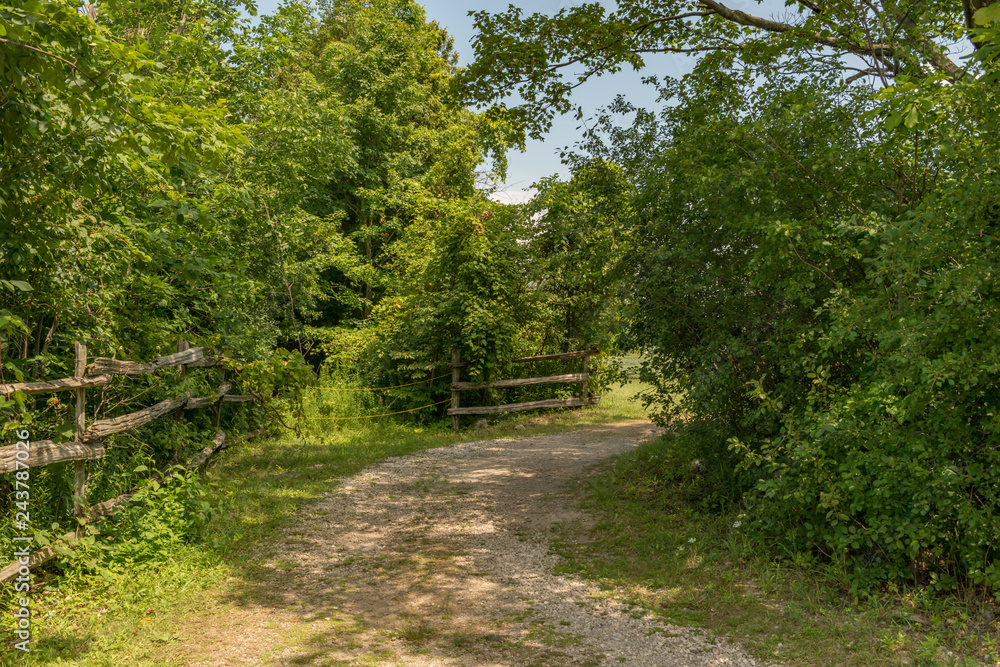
[(353, 127), (104, 137), (814, 257), (577, 234)]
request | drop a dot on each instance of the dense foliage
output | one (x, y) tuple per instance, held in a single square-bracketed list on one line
[(299, 193), (170, 173), (803, 239), (815, 258)]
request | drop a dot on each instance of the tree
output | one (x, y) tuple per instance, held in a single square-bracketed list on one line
[(544, 58), (814, 259), (576, 235), (460, 287), (353, 127), (97, 153)]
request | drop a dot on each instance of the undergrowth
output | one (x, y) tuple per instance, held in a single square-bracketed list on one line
[(672, 538), (124, 596)]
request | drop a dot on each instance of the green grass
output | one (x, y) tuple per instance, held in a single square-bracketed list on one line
[(135, 616), (665, 542)]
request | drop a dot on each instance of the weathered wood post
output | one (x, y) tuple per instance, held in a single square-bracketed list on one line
[(456, 375), (583, 384), (217, 415), (182, 346), (79, 425)]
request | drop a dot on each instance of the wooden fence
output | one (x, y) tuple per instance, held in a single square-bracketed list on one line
[(457, 386), (86, 444)]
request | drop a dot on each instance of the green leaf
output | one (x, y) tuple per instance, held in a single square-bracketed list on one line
[(986, 15)]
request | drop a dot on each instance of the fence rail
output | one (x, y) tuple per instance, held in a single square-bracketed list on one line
[(86, 445), (53, 386), (103, 365), (521, 382), (457, 386)]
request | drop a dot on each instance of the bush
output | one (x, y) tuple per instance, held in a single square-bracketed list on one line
[(839, 334), (159, 518)]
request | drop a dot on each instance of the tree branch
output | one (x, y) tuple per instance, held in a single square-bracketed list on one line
[(939, 60), (635, 32), (50, 55)]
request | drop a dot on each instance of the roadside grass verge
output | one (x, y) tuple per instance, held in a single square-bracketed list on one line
[(666, 542), (112, 614)]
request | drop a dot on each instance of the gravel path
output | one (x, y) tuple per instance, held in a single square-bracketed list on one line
[(442, 558)]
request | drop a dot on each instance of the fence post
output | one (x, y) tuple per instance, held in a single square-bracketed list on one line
[(456, 375), (217, 415), (79, 425), (583, 385), (182, 346)]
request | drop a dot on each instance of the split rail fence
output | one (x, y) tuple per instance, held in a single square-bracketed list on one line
[(86, 444), (457, 386)]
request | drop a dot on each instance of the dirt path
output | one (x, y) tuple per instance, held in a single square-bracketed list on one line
[(441, 559)]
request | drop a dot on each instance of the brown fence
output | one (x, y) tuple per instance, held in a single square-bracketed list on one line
[(457, 386), (86, 444)]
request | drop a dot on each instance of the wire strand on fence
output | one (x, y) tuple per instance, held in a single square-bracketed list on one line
[(397, 386), (387, 414)]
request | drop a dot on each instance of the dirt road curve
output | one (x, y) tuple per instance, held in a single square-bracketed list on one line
[(442, 559)]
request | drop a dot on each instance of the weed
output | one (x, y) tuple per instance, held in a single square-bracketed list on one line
[(417, 631), (670, 539)]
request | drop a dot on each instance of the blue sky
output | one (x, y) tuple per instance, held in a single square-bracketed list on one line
[(542, 157)]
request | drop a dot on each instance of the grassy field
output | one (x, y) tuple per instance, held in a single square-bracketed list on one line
[(126, 614)]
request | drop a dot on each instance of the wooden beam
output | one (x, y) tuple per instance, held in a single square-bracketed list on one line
[(106, 427), (103, 365), (48, 552), (52, 386), (36, 557), (182, 346), (531, 405), (44, 452), (236, 398), (218, 442), (522, 382), (204, 402), (553, 357)]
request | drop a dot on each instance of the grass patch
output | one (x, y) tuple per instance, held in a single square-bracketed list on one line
[(417, 631), (141, 616), (667, 541)]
